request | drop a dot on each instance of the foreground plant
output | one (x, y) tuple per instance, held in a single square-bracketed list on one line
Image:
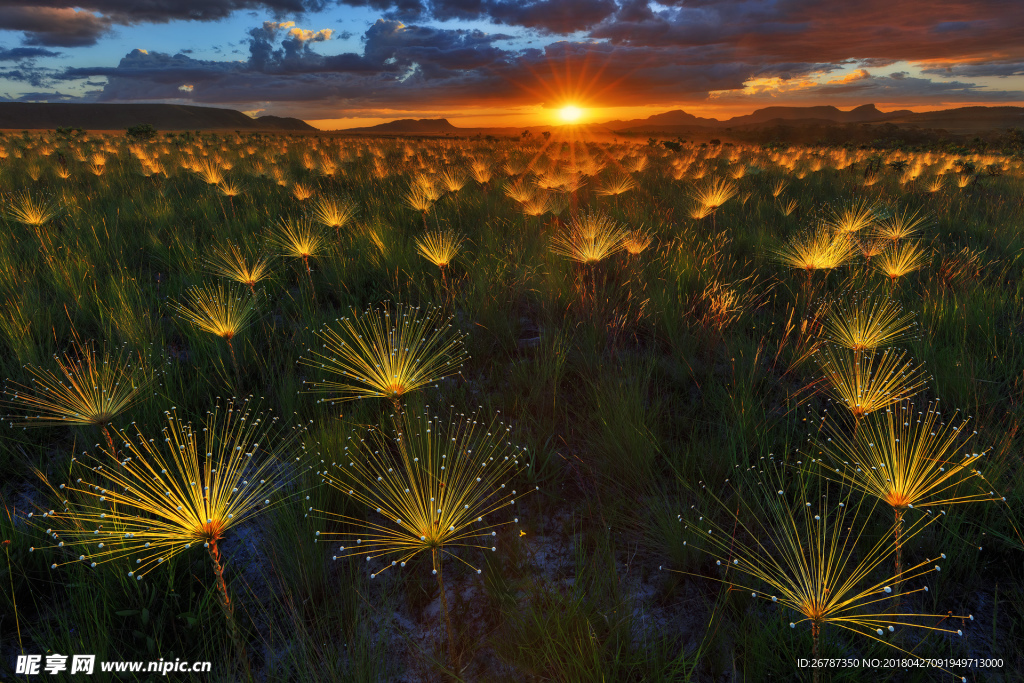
[(334, 213), (906, 459), (902, 259), (386, 354), (819, 249), (155, 498), (863, 323), (299, 239), (229, 262), (87, 389), (866, 382), (32, 212), (806, 553), (591, 237), (431, 486), (219, 310), (440, 247)]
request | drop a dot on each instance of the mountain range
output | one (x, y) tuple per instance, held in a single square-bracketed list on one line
[(962, 120), (52, 115), (811, 120)]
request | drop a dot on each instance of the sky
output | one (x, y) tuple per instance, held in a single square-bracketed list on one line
[(346, 63)]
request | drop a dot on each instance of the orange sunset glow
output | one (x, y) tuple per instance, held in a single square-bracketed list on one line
[(518, 64)]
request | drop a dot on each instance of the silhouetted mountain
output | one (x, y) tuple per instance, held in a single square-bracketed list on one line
[(410, 127), (50, 115), (963, 119), (676, 117)]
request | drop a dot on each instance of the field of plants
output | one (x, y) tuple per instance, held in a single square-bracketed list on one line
[(318, 408)]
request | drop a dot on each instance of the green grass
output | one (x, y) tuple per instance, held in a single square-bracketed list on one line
[(624, 383)]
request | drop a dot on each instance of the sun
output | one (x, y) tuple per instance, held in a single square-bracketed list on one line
[(570, 113)]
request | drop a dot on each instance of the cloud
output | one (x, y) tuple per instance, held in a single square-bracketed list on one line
[(17, 54), (306, 36), (806, 30), (998, 69), (551, 16), (54, 27), (635, 53), (898, 87), (160, 11), (852, 77)]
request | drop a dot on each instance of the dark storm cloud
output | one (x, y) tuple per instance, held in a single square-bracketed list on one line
[(135, 11), (18, 54), (979, 70), (804, 30), (551, 16), (54, 27)]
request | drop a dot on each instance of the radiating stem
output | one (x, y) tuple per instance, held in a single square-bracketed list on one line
[(815, 632), (110, 441), (444, 610), (234, 360), (227, 606), (899, 550)]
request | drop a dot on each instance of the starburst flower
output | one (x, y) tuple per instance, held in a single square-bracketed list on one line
[(386, 354), (819, 249), (440, 247), (229, 262), (855, 216), (301, 192), (334, 213), (863, 323), (229, 188), (801, 553), (538, 205), (32, 212), (787, 208), (866, 382), (714, 194), (481, 171), (902, 226), (519, 191), (778, 186), (636, 241), (217, 309), (299, 239), (591, 237), (902, 259), (419, 199), (154, 498), (430, 487), (453, 180), (616, 185), (208, 170), (907, 460), (87, 389)]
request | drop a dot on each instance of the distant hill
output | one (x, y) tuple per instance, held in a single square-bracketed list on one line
[(410, 127), (866, 113), (51, 115), (962, 120), (676, 117)]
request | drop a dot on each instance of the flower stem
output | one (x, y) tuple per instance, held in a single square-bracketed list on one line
[(444, 611), (227, 606)]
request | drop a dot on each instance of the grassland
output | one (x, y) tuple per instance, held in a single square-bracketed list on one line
[(651, 325)]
